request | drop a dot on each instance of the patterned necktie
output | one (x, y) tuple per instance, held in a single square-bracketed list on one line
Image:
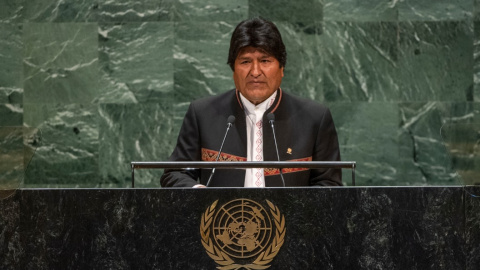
[(259, 154)]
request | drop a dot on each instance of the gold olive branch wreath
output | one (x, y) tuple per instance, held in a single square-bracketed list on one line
[(225, 262)]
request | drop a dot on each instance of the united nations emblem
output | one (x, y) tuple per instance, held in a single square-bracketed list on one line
[(242, 234)]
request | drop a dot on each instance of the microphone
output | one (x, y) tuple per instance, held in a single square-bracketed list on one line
[(271, 120), (230, 121)]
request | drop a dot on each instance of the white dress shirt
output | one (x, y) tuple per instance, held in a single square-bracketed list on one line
[(254, 177)]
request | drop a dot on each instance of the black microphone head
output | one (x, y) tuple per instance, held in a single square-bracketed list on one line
[(271, 117), (231, 119)]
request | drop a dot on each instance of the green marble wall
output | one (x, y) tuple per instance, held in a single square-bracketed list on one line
[(88, 86)]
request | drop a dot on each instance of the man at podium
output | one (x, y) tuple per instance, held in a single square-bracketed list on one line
[(252, 112)]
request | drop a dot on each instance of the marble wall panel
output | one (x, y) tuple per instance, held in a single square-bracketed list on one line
[(135, 10), (66, 143), (210, 10), (11, 156), (60, 11), (434, 143), (200, 59), (435, 61), (98, 11), (360, 11), (361, 61), (461, 136), (303, 71), (476, 59), (60, 63), (11, 69), (137, 132), (11, 75), (12, 11), (422, 148), (435, 10), (376, 153), (136, 61), (476, 9), (11, 114), (305, 11)]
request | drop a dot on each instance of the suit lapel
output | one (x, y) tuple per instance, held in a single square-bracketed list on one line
[(240, 128)]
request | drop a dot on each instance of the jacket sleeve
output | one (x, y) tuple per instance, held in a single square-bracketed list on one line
[(187, 149), (326, 149)]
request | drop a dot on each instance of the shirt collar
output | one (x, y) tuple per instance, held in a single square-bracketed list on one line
[(264, 106)]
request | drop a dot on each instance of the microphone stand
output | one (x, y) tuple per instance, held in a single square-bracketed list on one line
[(231, 120), (271, 120)]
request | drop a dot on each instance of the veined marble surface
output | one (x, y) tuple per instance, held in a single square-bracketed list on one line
[(60, 63), (393, 10), (95, 85), (136, 62)]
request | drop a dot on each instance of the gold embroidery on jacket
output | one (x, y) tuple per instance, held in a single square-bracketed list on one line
[(211, 155), (275, 171)]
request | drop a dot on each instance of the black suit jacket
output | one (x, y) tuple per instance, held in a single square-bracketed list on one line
[(304, 130)]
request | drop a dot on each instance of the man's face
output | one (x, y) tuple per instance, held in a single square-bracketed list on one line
[(256, 74)]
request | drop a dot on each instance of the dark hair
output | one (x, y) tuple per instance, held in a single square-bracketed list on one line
[(258, 33)]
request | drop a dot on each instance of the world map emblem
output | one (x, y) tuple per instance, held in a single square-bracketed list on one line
[(242, 234)]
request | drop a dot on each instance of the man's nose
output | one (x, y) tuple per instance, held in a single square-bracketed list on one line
[(255, 71)]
